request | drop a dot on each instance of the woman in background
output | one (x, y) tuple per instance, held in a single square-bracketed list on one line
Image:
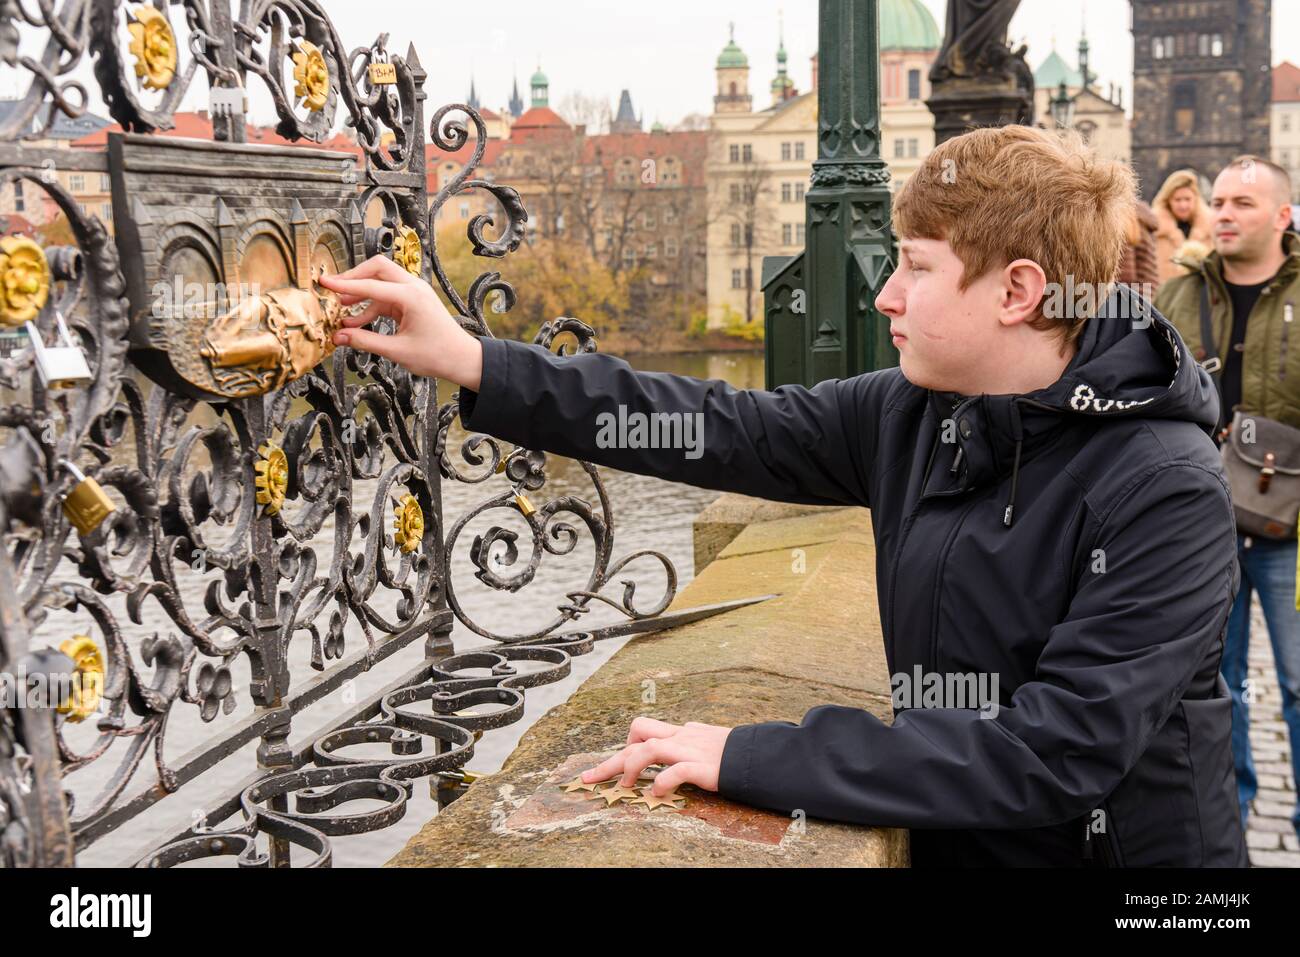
[(1184, 221)]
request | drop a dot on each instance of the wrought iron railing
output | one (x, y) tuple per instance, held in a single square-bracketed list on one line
[(221, 442)]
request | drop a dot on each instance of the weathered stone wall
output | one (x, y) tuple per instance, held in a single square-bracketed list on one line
[(818, 643)]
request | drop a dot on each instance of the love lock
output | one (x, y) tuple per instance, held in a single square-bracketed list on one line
[(87, 505), (62, 366)]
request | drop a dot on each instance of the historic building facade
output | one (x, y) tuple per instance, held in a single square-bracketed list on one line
[(19, 199), (634, 199), (1286, 122), (1202, 85), (761, 153)]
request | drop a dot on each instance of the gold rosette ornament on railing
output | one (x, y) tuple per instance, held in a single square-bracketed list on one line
[(87, 677), (408, 524), (272, 478), (311, 76), (154, 47), (24, 280), (406, 250)]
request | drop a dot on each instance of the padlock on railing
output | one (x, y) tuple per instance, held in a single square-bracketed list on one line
[(526, 508), (60, 367), (87, 505)]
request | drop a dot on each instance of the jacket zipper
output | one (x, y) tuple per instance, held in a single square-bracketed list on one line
[(1097, 849), (910, 520)]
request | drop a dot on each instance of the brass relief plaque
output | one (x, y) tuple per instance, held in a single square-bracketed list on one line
[(223, 290)]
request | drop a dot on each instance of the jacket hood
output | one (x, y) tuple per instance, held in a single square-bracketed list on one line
[(1130, 362)]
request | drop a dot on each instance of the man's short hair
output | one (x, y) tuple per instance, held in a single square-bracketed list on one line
[(1281, 177), (999, 194)]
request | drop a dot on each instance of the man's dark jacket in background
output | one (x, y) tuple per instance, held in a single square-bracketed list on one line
[(1076, 541)]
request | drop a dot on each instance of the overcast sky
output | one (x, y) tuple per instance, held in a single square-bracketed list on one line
[(664, 52)]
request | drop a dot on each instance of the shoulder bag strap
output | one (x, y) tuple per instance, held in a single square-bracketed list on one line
[(1211, 363)]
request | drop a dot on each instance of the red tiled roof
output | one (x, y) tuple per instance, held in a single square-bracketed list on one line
[(12, 223), (197, 125), (541, 124), (1286, 83), (539, 116)]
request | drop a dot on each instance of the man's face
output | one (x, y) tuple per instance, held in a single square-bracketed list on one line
[(1249, 216), (944, 335)]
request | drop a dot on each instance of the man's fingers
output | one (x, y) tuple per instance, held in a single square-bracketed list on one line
[(367, 341), (643, 728), (367, 315), (683, 772), (376, 267), (605, 770), (380, 290), (638, 757)]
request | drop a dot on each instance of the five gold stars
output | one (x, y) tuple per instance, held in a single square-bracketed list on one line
[(613, 792)]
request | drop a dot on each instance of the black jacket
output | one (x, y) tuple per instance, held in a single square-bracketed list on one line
[(1077, 541)]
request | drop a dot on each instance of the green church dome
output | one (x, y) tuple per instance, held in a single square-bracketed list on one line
[(908, 25), (732, 57), (1053, 70), (539, 79)]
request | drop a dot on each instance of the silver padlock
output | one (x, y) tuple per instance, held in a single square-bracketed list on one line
[(62, 366), (227, 101)]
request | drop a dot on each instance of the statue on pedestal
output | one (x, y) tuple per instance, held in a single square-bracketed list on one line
[(977, 78)]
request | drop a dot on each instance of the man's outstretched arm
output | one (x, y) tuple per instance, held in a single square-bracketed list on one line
[(792, 444)]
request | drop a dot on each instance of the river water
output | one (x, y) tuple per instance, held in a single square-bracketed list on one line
[(649, 514)]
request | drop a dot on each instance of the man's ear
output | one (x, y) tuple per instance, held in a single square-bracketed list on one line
[(1023, 286), (1284, 220)]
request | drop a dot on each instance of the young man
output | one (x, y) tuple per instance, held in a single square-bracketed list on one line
[(1253, 279), (1048, 507)]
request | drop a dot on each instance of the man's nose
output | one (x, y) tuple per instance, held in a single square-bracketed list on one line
[(888, 302)]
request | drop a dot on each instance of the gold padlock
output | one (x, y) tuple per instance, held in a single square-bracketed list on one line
[(525, 506), (87, 505), (383, 73)]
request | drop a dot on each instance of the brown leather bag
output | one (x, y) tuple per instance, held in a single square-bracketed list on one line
[(1262, 460)]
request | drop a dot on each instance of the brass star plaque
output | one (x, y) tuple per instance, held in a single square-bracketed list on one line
[(616, 793), (651, 801)]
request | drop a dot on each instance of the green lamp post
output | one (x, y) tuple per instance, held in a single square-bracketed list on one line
[(820, 321)]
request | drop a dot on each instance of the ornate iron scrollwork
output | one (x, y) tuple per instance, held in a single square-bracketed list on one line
[(248, 442)]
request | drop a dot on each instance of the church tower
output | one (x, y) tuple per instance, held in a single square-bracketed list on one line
[(516, 101), (541, 86), (625, 121), (782, 85), (1201, 85), (733, 79)]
